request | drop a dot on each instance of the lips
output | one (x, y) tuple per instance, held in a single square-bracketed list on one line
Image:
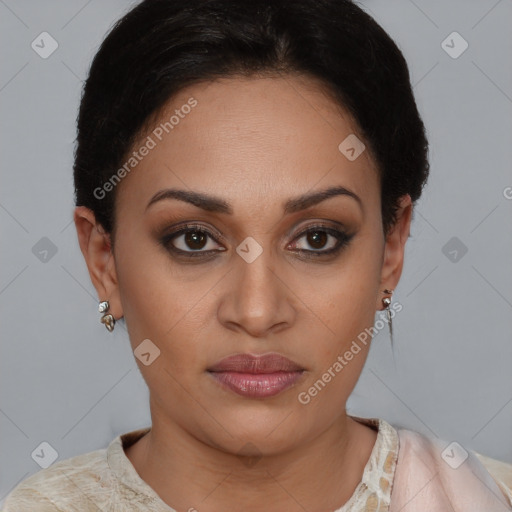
[(248, 363), (253, 376)]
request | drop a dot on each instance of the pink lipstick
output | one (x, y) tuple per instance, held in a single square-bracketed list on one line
[(256, 376)]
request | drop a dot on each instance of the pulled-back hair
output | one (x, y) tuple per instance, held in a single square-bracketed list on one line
[(162, 46)]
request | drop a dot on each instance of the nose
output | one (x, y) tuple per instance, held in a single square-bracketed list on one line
[(257, 298)]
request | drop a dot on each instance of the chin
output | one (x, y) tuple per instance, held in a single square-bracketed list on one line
[(260, 433)]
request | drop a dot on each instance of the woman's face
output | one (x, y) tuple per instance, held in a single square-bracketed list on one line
[(255, 150)]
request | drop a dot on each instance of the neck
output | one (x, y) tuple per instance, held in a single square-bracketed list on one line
[(189, 473)]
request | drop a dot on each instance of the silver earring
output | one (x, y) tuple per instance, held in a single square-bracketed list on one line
[(107, 319), (387, 301)]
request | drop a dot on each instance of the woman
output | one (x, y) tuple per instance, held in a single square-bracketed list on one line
[(245, 178)]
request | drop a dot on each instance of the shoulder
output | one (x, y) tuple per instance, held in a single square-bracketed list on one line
[(443, 473), (72, 480)]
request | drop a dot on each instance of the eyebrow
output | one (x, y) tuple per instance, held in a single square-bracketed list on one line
[(215, 204)]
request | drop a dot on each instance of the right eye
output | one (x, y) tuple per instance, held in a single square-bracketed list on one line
[(191, 240)]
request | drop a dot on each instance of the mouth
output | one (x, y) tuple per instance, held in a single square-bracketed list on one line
[(256, 376)]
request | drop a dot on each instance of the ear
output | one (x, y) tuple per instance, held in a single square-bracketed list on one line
[(393, 258), (96, 248)]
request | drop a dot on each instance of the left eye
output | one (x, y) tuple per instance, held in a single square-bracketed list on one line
[(320, 240)]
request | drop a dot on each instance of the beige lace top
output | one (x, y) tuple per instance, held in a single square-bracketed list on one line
[(105, 480)]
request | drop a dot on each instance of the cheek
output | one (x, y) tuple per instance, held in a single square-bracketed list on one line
[(351, 293), (156, 304), (346, 304), (341, 355), (156, 311)]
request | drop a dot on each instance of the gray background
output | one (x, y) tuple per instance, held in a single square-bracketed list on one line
[(67, 381)]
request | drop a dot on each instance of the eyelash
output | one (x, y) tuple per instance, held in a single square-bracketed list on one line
[(342, 240)]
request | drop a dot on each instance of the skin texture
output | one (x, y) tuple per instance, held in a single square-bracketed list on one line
[(255, 143)]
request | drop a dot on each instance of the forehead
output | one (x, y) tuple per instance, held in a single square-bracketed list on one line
[(249, 140)]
